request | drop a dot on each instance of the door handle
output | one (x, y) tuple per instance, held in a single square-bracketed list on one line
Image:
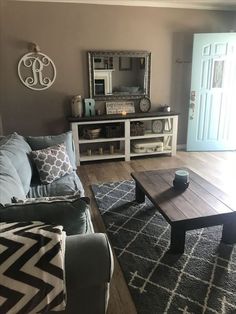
[(193, 95), (192, 107)]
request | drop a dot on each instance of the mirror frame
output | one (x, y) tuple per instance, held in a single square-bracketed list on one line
[(110, 53)]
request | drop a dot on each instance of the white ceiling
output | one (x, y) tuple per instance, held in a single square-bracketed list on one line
[(229, 5)]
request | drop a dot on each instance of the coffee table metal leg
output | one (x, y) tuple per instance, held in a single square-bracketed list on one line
[(139, 194), (177, 240), (229, 232)]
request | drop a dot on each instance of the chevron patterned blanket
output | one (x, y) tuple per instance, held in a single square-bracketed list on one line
[(31, 268)]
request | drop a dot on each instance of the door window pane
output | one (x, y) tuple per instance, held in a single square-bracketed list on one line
[(218, 74)]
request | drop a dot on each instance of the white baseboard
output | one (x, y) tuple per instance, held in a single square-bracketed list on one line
[(227, 5)]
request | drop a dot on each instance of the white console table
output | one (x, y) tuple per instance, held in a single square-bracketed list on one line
[(123, 142)]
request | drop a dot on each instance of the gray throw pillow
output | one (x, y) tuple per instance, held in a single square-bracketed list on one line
[(40, 142), (52, 163), (73, 215)]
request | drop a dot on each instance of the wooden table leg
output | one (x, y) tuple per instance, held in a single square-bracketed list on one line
[(139, 194), (229, 232), (177, 240)]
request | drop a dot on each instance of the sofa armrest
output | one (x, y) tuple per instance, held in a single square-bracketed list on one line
[(89, 267), (88, 260)]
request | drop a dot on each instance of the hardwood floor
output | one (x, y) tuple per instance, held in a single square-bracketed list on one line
[(217, 167)]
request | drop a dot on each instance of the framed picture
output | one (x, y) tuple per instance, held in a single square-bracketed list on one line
[(125, 63), (120, 107), (102, 63)]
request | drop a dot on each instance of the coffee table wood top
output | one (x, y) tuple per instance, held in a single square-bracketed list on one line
[(201, 202)]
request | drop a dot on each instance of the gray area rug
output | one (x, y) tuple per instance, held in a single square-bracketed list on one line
[(202, 280)]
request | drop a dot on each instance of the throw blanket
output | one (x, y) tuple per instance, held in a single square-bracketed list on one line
[(31, 268)]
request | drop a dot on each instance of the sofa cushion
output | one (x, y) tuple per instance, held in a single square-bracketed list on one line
[(17, 150), (52, 163), (40, 142), (73, 215), (10, 183), (67, 185)]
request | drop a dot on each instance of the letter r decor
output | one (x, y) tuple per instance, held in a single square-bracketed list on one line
[(36, 71)]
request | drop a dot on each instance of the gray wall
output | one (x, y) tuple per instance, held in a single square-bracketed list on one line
[(66, 31)]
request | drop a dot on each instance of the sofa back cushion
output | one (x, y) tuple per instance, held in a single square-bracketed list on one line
[(17, 150), (69, 184), (40, 142), (10, 183), (73, 215)]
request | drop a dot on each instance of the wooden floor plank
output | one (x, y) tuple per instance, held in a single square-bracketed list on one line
[(217, 167)]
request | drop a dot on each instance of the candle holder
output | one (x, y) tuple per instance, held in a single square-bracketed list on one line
[(181, 180), (111, 149)]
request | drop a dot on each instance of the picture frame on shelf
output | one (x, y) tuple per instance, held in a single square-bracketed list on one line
[(120, 107)]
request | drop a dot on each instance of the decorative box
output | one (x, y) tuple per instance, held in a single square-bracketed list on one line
[(147, 146), (115, 130)]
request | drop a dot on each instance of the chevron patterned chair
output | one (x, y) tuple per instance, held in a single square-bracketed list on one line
[(88, 256)]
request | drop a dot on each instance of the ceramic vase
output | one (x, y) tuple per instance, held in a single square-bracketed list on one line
[(77, 106)]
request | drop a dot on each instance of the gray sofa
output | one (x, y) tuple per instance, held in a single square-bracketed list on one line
[(88, 257)]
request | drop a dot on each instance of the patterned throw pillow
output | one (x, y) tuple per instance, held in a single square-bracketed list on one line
[(52, 163)]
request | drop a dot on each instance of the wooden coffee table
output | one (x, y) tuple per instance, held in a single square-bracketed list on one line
[(201, 205)]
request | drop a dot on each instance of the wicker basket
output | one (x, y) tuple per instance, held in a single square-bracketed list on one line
[(137, 128), (114, 131), (92, 133)]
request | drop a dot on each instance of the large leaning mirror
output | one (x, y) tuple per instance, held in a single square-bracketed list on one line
[(119, 74)]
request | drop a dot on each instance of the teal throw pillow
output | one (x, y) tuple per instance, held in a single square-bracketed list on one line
[(10, 183), (17, 150)]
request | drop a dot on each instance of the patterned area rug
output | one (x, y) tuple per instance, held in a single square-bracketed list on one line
[(202, 280)]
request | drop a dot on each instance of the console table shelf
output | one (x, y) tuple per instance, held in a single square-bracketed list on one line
[(123, 146), (101, 140), (150, 135), (151, 153), (101, 157)]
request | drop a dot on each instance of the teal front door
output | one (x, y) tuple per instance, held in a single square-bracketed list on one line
[(212, 107)]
